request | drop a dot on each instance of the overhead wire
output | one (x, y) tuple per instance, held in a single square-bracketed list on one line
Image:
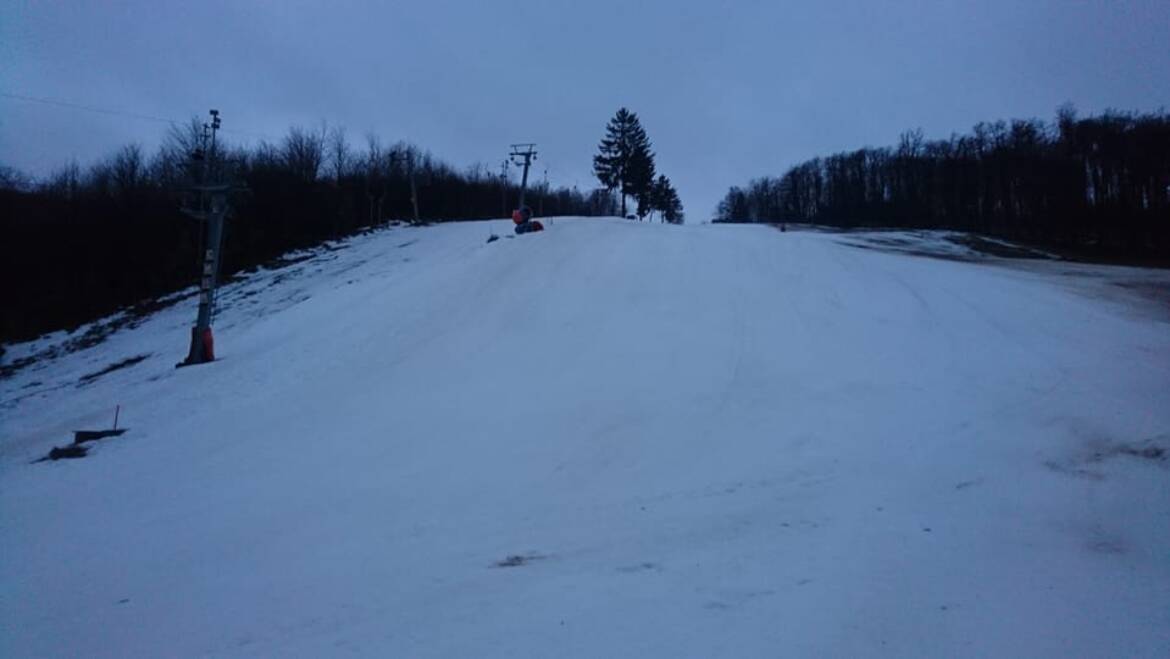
[(122, 113)]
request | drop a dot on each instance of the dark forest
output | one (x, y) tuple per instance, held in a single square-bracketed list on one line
[(85, 242), (1097, 186)]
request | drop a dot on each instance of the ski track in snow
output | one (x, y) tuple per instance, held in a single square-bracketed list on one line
[(606, 439)]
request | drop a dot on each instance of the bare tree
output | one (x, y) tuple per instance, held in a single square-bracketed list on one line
[(303, 152), (128, 169), (340, 156), (14, 179), (375, 167), (64, 182), (171, 166)]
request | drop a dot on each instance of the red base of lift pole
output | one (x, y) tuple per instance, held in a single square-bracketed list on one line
[(202, 348)]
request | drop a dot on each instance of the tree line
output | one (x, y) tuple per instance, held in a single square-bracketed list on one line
[(1098, 184), (625, 163), (85, 242)]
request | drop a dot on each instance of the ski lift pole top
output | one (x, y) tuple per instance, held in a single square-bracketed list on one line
[(523, 154)]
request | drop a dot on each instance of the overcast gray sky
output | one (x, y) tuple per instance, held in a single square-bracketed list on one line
[(726, 90)]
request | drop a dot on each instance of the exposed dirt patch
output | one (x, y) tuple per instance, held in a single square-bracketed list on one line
[(932, 245), (1092, 464), (96, 333), (986, 245), (116, 366), (83, 436), (1074, 470), (518, 560), (911, 248), (1148, 450), (998, 247), (1106, 546), (640, 567), (285, 261), (1154, 291), (133, 316), (64, 452)]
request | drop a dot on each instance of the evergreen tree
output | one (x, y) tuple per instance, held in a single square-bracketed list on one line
[(734, 206), (657, 196), (665, 200), (673, 212), (640, 179), (624, 161)]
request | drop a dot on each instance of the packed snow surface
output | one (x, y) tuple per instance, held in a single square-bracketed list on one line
[(609, 439)]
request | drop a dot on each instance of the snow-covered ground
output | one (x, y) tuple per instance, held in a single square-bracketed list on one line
[(606, 439)]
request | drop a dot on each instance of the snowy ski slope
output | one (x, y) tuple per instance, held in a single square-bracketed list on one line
[(607, 439)]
